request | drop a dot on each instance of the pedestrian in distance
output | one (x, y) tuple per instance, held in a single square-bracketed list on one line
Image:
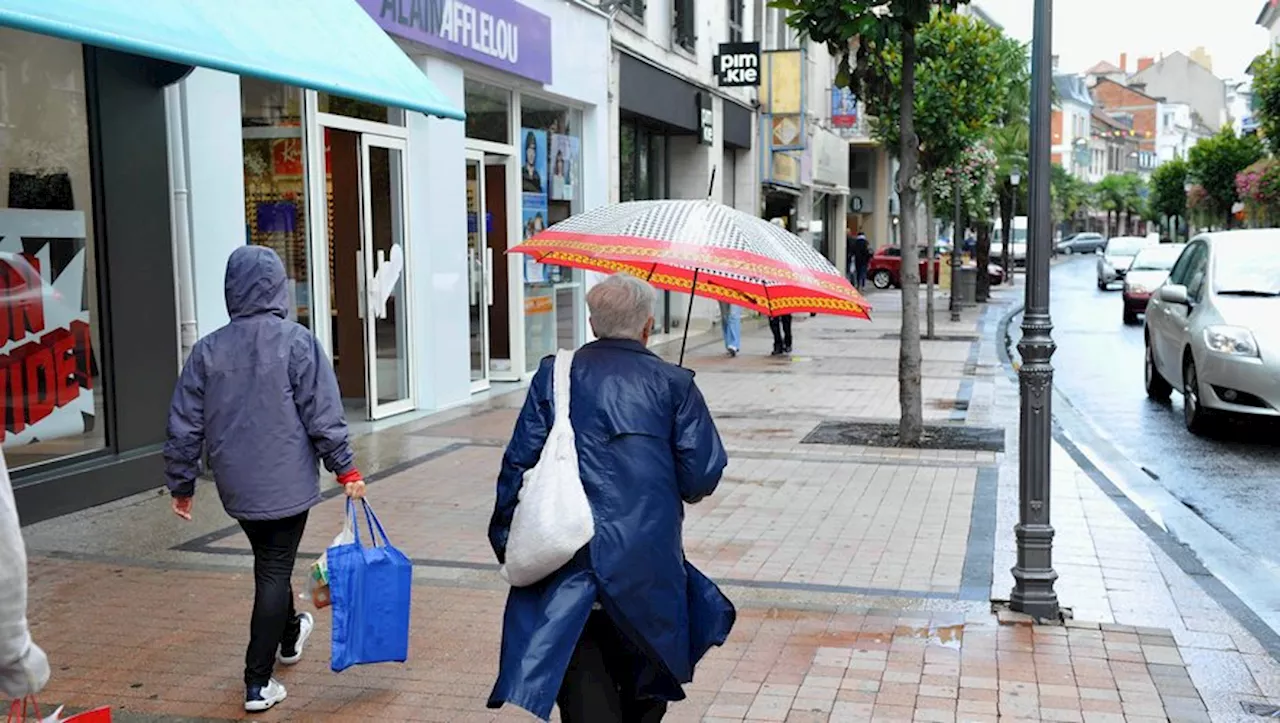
[(613, 635), (781, 328), (731, 323), (860, 257), (24, 669), (261, 397)]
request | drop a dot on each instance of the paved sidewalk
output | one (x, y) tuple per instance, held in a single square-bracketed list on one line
[(863, 574)]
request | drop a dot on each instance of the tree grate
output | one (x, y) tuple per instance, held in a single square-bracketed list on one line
[(877, 434)]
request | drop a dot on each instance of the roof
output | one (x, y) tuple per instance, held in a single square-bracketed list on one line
[(1072, 87), (1103, 68), (1129, 88), (1110, 120)]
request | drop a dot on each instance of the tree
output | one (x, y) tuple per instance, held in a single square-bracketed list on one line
[(1214, 164), (1070, 195), (1109, 195), (1169, 193), (1266, 96), (877, 26), (1011, 143)]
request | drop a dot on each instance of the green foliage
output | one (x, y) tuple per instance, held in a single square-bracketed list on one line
[(1259, 188), (1123, 195), (976, 174), (1070, 195), (1266, 96), (1169, 189), (1215, 162)]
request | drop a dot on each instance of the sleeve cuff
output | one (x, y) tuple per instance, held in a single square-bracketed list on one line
[(351, 475)]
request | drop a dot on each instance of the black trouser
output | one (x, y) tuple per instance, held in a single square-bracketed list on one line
[(274, 624), (599, 686), (781, 328)]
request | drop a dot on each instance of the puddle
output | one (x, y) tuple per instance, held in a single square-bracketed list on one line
[(943, 636)]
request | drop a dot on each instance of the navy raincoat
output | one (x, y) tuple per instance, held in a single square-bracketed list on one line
[(646, 446), (260, 394)]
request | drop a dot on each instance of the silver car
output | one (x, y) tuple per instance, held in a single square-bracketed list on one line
[(1213, 328), (1116, 257)]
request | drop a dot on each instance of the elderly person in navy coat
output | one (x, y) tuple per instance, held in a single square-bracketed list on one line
[(615, 633)]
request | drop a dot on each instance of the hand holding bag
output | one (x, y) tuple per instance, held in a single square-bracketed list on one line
[(553, 518), (370, 588)]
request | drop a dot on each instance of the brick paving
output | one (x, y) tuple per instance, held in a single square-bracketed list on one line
[(862, 574)]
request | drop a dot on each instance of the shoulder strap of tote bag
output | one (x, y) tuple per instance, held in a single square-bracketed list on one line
[(560, 385)]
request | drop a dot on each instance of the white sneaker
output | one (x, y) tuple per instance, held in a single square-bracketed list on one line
[(306, 624), (258, 699)]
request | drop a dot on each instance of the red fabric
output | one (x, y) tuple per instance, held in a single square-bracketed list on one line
[(347, 478)]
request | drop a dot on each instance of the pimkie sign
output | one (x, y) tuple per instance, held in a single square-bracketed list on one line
[(738, 65)]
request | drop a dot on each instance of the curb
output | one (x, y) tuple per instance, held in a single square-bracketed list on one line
[(1216, 564)]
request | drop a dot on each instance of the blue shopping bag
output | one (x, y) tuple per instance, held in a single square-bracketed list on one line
[(370, 588)]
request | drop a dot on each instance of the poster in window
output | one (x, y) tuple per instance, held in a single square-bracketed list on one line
[(564, 167), (46, 350), (535, 221), (533, 162)]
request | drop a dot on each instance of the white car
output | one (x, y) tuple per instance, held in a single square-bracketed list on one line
[(1116, 258)]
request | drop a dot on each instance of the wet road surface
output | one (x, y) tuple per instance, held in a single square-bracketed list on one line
[(1232, 481)]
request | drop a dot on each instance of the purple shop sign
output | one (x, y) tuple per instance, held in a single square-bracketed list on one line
[(501, 34)]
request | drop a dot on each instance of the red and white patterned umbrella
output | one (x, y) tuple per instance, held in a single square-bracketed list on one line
[(730, 256)]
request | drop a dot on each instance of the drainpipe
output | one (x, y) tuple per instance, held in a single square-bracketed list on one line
[(176, 101)]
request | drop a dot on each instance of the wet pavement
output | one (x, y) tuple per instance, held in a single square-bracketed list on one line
[(863, 575), (1232, 481)]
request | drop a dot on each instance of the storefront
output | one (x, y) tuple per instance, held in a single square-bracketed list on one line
[(533, 152), (680, 140), (92, 209), (830, 195)]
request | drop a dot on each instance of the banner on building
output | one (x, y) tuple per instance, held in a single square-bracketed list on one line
[(844, 108)]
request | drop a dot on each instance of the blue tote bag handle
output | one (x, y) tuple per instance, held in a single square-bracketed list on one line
[(371, 590), (375, 525)]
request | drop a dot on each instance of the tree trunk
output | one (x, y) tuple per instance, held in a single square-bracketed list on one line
[(931, 249), (983, 253), (1006, 224), (910, 402)]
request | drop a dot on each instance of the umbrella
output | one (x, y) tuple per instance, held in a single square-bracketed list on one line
[(704, 248)]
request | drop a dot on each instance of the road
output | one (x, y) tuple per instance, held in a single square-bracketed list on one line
[(1232, 481)]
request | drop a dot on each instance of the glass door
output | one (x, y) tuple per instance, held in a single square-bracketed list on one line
[(479, 270), (383, 269)]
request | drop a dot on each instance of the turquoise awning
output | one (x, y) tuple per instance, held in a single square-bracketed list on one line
[(325, 45)]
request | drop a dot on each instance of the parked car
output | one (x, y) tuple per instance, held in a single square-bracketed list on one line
[(1017, 242), (1211, 329), (1116, 257), (1082, 243), (886, 266), (1147, 272)]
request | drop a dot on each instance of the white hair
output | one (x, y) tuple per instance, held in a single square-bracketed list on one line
[(621, 307)]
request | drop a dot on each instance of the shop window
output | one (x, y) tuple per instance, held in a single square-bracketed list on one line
[(550, 148), (488, 112), (684, 31), (634, 8), (275, 185), (51, 391), (359, 109)]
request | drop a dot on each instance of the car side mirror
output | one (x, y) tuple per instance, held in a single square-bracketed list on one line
[(1174, 294)]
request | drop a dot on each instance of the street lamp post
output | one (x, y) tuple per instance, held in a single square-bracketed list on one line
[(1186, 213), (1033, 575), (955, 255), (1015, 178)]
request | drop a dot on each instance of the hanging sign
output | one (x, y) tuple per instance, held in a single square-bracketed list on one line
[(738, 65)]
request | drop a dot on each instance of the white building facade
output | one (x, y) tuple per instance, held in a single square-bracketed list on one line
[(393, 226)]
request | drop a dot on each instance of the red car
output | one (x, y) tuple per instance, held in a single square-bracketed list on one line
[(884, 270)]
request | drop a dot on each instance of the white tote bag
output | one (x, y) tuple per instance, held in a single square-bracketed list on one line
[(553, 517)]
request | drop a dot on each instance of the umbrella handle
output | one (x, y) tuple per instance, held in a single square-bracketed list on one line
[(689, 313)]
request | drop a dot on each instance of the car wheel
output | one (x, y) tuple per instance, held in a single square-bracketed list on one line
[(1158, 389), (1130, 317), (882, 279), (1102, 285), (1068, 251), (1196, 418)]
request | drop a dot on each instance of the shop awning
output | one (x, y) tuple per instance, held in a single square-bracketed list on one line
[(325, 45)]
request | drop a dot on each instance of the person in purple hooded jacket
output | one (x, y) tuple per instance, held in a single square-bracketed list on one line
[(261, 397)]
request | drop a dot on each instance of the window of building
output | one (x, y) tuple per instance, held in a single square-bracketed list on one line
[(778, 35), (634, 8), (684, 30), (735, 21), (360, 109), (550, 134), (275, 185), (488, 112), (51, 390)]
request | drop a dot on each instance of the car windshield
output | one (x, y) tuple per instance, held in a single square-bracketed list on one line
[(1247, 267), (1157, 258), (1125, 246)]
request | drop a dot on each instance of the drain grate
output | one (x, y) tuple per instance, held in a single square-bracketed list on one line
[(876, 434), (1264, 710)]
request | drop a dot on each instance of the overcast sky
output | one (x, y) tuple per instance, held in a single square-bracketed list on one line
[(1086, 31)]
